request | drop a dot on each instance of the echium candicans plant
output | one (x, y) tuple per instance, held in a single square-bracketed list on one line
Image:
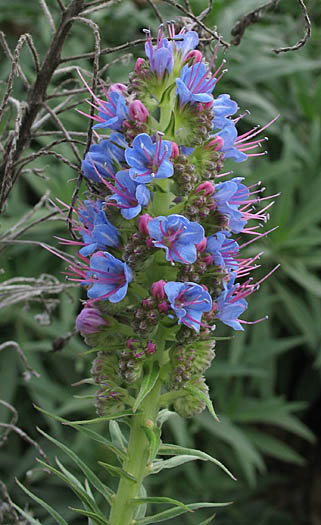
[(160, 237)]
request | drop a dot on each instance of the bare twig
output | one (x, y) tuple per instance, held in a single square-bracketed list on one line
[(48, 15), (156, 11), (7, 500), (14, 68), (205, 12), (307, 34), (22, 289), (35, 100), (250, 18), (101, 6), (61, 5), (23, 435), (11, 58), (22, 356), (14, 419), (33, 52), (198, 22), (106, 51)]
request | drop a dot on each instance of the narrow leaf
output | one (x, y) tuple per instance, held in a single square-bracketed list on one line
[(117, 471), (90, 433), (59, 519), (82, 494), (123, 413), (90, 475), (25, 514), (172, 513), (148, 383), (204, 397), (176, 461), (175, 450), (117, 436), (141, 501), (95, 517), (153, 436)]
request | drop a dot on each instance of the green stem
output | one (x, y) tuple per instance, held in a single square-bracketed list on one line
[(138, 452)]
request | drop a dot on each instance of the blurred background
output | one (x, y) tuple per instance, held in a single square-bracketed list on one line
[(265, 382)]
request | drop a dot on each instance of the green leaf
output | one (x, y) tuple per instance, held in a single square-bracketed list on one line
[(59, 519), (141, 501), (148, 383), (153, 436), (86, 431), (172, 513), (117, 471), (204, 397), (123, 413), (80, 492), (90, 475), (118, 437), (169, 450), (95, 517), (25, 514), (159, 465)]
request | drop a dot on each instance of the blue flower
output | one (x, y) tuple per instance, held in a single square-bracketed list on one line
[(223, 250), (109, 278), (223, 107), (185, 42), (193, 86), (229, 136), (129, 195), (97, 232), (104, 158), (230, 306), (178, 236), (228, 197), (148, 159), (189, 301), (161, 56), (112, 113)]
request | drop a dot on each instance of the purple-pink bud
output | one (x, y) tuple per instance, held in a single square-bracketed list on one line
[(217, 143), (175, 150), (163, 307), (143, 221), (137, 111), (195, 55), (201, 246), (118, 87), (130, 343), (158, 290), (90, 320), (150, 347), (140, 63), (207, 187)]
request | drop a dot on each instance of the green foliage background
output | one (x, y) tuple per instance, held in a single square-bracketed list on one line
[(265, 382)]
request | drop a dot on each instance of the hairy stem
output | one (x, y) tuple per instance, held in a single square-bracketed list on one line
[(138, 452)]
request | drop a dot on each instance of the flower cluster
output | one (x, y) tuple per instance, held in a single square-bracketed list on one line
[(157, 233)]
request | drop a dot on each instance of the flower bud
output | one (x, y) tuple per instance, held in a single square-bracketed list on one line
[(191, 404), (217, 143), (140, 64), (175, 150), (118, 87), (194, 56), (158, 290), (207, 187), (150, 348), (201, 246), (137, 111), (143, 221), (90, 320)]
